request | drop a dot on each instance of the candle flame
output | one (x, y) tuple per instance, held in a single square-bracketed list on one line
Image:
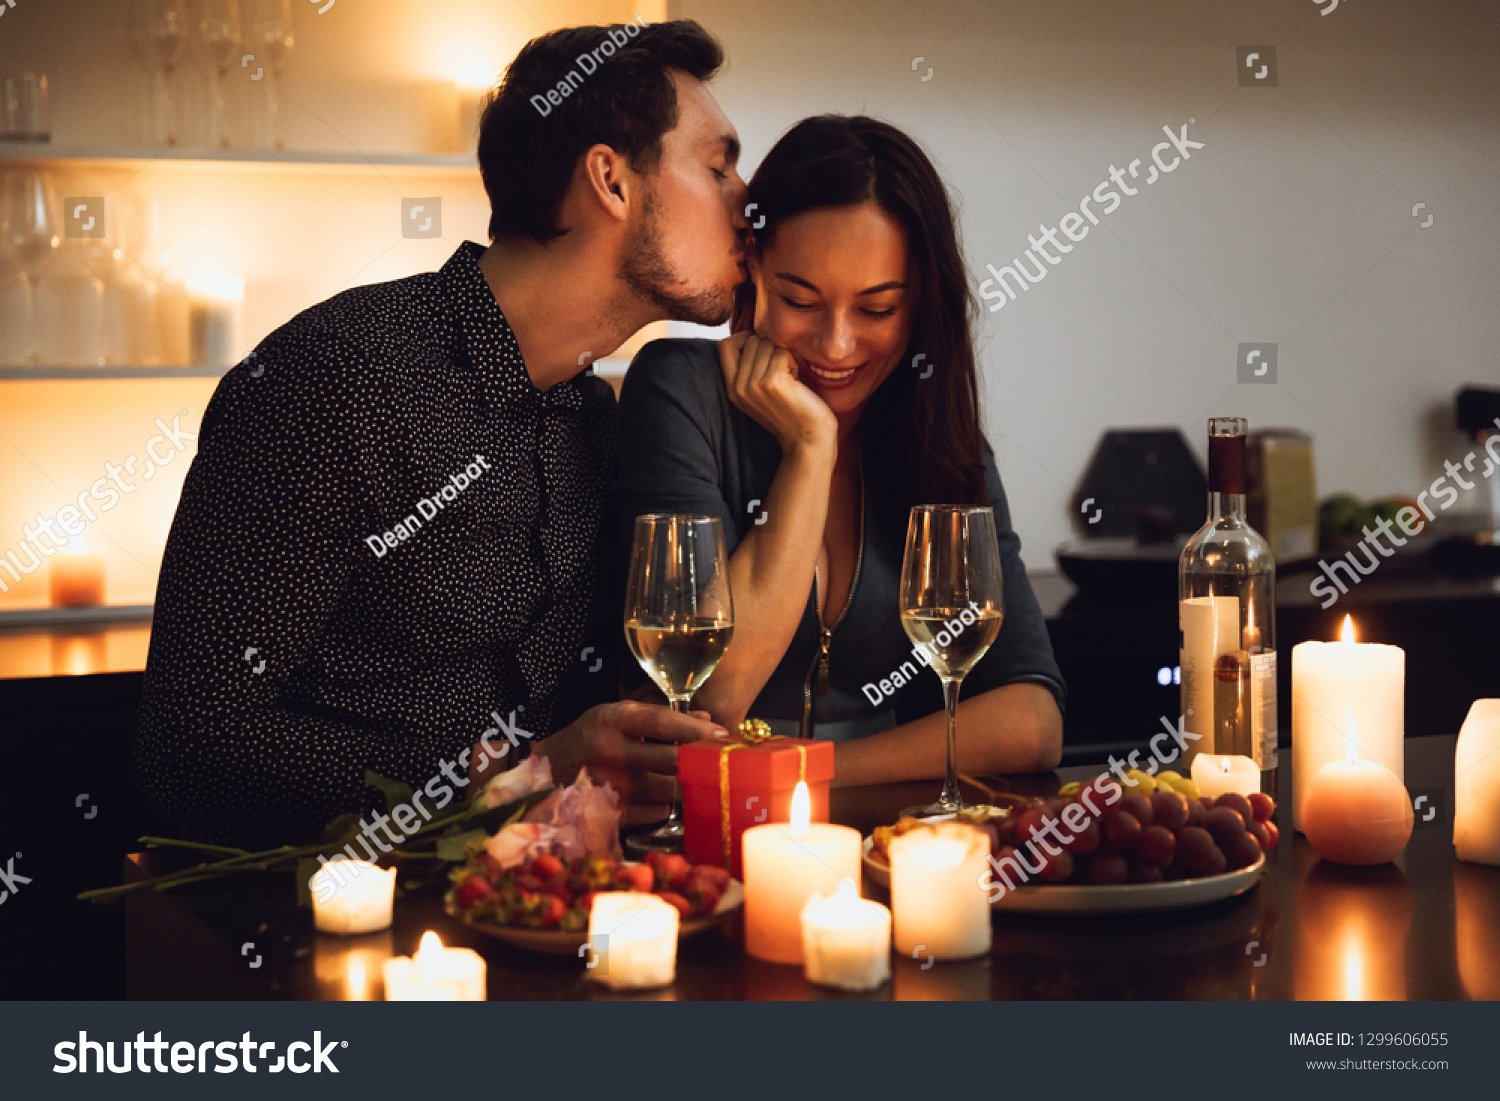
[(357, 982), (801, 810), (1224, 765), (847, 891), (1347, 634)]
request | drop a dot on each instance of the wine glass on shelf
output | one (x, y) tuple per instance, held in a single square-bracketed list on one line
[(952, 604), (29, 228), (166, 36), (219, 21), (679, 618), (268, 34)]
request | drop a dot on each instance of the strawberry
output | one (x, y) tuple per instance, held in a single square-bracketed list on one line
[(557, 886), (472, 891), (552, 914), (672, 871), (684, 907), (546, 866), (703, 896), (635, 877), (711, 873), (585, 902)]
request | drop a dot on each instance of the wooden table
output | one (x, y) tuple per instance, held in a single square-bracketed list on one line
[(1426, 927)]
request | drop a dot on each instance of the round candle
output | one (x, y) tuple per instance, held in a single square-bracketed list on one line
[(76, 579), (352, 896), (1357, 812), (1218, 775), (786, 863), (1332, 681), (846, 940), (1476, 785), (437, 974), (213, 316), (633, 937), (940, 910)]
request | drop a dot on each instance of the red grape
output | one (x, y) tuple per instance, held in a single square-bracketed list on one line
[(1243, 851), (1143, 871), (1206, 801), (1196, 813), (1122, 829), (1086, 840), (1262, 806), (1138, 807), (1257, 830), (1194, 846), (1157, 845), (1225, 824), (1273, 833), (1238, 802), (1217, 862), (1057, 868), (1169, 809), (1029, 824), (1108, 868)]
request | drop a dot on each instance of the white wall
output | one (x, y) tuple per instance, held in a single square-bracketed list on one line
[(1293, 225)]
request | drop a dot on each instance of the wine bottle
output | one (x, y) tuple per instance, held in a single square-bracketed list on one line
[(1226, 617)]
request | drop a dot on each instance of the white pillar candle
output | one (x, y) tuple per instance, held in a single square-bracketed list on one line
[(213, 315), (940, 909), (633, 940), (1210, 628), (76, 578), (786, 863), (1218, 775), (352, 897), (1476, 786), (846, 940), (437, 974), (1333, 682)]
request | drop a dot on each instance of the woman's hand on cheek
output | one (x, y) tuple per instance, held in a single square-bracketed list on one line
[(762, 382)]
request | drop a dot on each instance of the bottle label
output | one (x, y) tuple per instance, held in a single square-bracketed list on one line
[(1263, 706)]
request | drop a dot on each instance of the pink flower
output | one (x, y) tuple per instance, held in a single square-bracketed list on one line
[(586, 818), (531, 775), (520, 842)]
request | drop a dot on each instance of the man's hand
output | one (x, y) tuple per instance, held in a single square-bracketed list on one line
[(614, 742)]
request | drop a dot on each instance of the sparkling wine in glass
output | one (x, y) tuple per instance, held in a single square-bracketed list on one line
[(952, 604), (679, 618)]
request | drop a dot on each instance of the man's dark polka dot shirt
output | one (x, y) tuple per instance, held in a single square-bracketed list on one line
[(345, 425)]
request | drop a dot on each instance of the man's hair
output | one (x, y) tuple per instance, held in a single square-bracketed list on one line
[(607, 86)]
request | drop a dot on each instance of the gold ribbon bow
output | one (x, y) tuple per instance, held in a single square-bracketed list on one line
[(752, 732)]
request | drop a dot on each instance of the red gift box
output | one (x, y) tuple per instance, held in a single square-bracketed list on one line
[(754, 782)]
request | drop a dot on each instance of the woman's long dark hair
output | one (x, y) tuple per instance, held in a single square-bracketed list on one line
[(841, 161)]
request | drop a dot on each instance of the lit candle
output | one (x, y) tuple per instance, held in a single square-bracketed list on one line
[(352, 896), (846, 940), (76, 578), (1331, 680), (633, 937), (213, 312), (1356, 811), (1476, 787), (786, 863), (437, 974), (346, 968), (1217, 775), (940, 909)]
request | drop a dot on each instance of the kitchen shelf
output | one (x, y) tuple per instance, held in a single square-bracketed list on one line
[(232, 158), (78, 373)]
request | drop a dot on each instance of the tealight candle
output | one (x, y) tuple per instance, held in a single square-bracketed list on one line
[(846, 940), (633, 937), (786, 863), (437, 974), (213, 310), (76, 578), (1476, 786), (940, 909), (1218, 775), (1357, 812), (1332, 680), (352, 896)]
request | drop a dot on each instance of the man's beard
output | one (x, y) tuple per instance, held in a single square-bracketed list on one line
[(647, 273)]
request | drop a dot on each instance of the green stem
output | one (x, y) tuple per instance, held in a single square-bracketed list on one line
[(172, 843)]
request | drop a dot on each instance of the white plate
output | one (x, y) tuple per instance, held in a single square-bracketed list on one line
[(1086, 898), (557, 942)]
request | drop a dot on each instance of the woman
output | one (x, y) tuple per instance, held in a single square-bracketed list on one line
[(846, 395)]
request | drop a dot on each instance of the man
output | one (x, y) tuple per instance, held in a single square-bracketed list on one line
[(385, 550)]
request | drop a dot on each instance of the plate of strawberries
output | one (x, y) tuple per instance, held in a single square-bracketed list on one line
[(543, 904)]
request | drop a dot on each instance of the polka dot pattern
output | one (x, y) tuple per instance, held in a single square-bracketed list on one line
[(361, 407)]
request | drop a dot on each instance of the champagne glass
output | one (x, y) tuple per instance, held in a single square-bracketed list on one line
[(220, 25), (952, 603), (166, 36), (679, 617), (28, 237), (269, 36)]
